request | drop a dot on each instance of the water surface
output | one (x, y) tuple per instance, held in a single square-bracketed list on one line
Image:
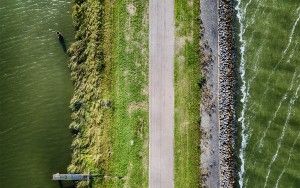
[(35, 91), (270, 117)]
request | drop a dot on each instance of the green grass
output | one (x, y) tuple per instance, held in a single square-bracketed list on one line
[(109, 68), (187, 94), (270, 34), (130, 93)]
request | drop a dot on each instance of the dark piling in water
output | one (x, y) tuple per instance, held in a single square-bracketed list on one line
[(62, 41)]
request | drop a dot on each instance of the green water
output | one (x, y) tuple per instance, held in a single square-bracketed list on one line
[(35, 90), (272, 105)]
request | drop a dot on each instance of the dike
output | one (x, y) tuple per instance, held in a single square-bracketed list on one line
[(90, 69)]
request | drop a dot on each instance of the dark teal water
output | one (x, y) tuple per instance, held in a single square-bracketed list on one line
[(35, 90)]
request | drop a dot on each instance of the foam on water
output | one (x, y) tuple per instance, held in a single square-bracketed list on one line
[(292, 33), (244, 90), (253, 17), (249, 2), (260, 49), (284, 97), (256, 64), (289, 113), (6, 131), (292, 53), (288, 162), (290, 95), (291, 36)]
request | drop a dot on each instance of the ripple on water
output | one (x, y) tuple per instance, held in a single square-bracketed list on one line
[(35, 91)]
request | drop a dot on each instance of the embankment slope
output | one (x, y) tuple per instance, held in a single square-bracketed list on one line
[(109, 69), (218, 115)]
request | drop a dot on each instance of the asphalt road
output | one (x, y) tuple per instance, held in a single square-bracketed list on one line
[(161, 93)]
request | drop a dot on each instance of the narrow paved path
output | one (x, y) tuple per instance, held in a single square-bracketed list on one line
[(161, 94), (210, 161)]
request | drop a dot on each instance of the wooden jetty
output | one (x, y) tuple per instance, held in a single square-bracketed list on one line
[(71, 177)]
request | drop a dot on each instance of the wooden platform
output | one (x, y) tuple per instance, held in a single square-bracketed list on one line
[(71, 177)]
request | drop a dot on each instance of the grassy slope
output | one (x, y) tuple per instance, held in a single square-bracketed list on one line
[(91, 101), (270, 35), (109, 67), (187, 94), (130, 127)]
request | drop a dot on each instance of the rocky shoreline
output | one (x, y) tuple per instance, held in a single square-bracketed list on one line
[(209, 112), (226, 93), (217, 106)]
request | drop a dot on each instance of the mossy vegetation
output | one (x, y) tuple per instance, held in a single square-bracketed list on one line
[(109, 68), (188, 81)]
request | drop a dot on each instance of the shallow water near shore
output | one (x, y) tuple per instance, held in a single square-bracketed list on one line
[(35, 91), (270, 118)]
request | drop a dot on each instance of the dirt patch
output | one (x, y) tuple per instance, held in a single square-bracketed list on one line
[(181, 42), (145, 157), (127, 177), (181, 59), (190, 3), (137, 64), (131, 9), (137, 106), (145, 90)]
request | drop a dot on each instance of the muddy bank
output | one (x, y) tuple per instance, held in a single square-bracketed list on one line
[(217, 109)]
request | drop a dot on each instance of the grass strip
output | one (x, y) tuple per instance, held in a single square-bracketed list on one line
[(130, 93), (187, 94)]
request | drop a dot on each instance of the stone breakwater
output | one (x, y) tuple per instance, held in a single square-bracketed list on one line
[(209, 104), (217, 106), (226, 92)]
